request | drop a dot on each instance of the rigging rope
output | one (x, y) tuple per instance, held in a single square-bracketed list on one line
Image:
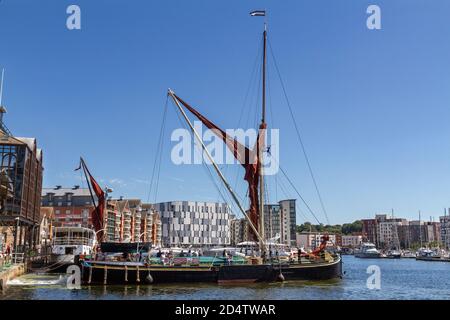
[(299, 136), (158, 153), (204, 165), (298, 193)]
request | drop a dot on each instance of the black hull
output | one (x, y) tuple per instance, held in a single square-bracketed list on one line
[(324, 271), (98, 274)]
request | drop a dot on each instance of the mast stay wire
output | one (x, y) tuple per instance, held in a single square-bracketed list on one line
[(299, 135), (298, 193), (252, 86), (158, 155)]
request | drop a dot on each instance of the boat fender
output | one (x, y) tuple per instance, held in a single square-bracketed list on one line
[(137, 274), (280, 277), (149, 278)]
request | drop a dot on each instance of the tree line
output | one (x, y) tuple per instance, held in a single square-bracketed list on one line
[(344, 229)]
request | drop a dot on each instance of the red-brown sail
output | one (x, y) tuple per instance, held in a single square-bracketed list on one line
[(246, 157), (98, 212)]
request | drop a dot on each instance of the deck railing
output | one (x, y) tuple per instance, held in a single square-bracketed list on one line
[(73, 241)]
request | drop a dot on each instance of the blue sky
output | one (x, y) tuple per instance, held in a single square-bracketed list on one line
[(373, 105)]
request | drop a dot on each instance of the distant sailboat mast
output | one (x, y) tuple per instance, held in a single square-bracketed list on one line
[(1, 87)]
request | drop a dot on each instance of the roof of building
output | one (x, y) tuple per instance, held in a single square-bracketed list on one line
[(134, 202), (122, 205), (60, 191), (29, 142)]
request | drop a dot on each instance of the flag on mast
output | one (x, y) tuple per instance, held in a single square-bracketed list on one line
[(258, 13)]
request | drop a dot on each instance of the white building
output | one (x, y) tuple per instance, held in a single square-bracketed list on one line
[(194, 223), (351, 241), (312, 240), (388, 235)]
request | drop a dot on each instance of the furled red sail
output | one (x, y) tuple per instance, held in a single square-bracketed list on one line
[(98, 212), (246, 157)]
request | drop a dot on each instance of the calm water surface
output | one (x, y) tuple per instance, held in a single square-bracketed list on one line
[(400, 279)]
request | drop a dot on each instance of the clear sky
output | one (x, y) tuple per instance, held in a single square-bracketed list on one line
[(373, 105)]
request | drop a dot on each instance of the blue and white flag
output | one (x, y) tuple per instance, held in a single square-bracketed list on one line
[(258, 13)]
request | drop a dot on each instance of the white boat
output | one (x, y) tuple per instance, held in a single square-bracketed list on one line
[(394, 254), (408, 254), (427, 255), (69, 242), (367, 250)]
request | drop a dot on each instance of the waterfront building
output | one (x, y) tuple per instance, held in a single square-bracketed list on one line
[(194, 223), (351, 241), (125, 220), (151, 224), (312, 240), (387, 233), (21, 171), (272, 221), (288, 221), (445, 230), (281, 221), (72, 206), (388, 236), (369, 230), (239, 231)]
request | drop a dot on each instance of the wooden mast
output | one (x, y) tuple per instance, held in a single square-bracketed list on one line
[(261, 145)]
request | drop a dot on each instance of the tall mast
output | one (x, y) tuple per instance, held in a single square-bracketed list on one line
[(261, 146), (262, 130), (263, 118), (1, 87)]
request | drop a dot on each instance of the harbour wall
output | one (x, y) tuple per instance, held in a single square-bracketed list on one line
[(10, 273)]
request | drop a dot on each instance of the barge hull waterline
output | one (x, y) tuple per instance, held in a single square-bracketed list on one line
[(233, 274)]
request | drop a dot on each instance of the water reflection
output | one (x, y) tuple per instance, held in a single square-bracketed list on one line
[(401, 279)]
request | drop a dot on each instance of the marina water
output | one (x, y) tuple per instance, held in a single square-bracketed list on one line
[(400, 279)]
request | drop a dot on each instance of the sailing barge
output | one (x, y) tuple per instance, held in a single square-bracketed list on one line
[(318, 265), (106, 272)]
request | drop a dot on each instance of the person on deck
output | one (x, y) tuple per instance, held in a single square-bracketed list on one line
[(263, 256)]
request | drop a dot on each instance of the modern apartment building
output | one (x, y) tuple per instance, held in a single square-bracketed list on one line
[(445, 230), (125, 220), (194, 223), (239, 231), (388, 235), (130, 220), (387, 232), (351, 241), (280, 221)]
